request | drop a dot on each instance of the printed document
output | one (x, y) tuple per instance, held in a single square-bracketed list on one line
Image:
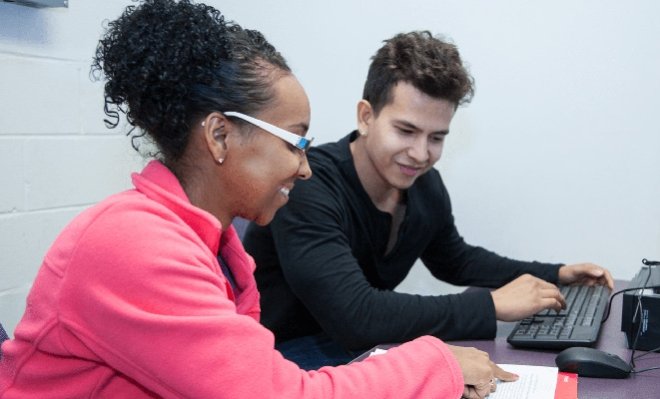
[(537, 382)]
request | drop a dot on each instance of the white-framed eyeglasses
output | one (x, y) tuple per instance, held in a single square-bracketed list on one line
[(300, 142)]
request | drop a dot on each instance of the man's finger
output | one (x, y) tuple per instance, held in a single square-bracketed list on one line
[(550, 303), (599, 276), (609, 280), (555, 298), (546, 285)]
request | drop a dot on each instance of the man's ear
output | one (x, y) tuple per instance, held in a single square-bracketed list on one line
[(215, 128), (365, 117)]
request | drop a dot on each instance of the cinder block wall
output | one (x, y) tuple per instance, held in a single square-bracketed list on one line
[(56, 155)]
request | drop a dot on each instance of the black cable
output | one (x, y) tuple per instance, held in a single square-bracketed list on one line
[(649, 368), (650, 262), (643, 370), (654, 350), (641, 315), (609, 305), (639, 309)]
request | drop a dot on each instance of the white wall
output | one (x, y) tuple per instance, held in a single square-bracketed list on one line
[(557, 158), (56, 156)]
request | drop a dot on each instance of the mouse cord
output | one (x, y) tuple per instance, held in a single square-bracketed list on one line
[(644, 370), (654, 350)]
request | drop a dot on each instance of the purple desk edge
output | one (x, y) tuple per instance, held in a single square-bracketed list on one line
[(612, 339)]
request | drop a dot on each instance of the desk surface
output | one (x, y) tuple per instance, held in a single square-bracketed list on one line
[(612, 339)]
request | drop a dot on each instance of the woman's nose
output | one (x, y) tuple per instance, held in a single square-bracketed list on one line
[(304, 171)]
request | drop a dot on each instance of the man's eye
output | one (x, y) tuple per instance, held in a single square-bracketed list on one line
[(438, 139)]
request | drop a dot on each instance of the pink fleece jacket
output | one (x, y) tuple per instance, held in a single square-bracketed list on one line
[(130, 302)]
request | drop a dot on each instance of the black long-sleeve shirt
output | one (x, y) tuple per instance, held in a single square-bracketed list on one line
[(322, 262)]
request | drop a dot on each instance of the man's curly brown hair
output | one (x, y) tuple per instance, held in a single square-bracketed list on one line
[(431, 65)]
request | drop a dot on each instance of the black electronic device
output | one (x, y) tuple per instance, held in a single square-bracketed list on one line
[(577, 325), (640, 315), (590, 362)]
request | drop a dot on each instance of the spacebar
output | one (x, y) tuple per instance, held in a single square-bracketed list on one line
[(546, 337)]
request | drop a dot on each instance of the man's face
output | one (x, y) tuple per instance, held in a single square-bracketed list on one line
[(405, 140)]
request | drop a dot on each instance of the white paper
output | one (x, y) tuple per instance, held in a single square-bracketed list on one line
[(378, 351), (535, 382)]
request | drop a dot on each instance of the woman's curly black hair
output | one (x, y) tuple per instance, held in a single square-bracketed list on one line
[(168, 63), (431, 65)]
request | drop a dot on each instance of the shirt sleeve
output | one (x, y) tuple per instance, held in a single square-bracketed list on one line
[(316, 258), (317, 261), (449, 258)]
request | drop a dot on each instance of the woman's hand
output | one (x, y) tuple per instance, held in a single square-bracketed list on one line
[(479, 372)]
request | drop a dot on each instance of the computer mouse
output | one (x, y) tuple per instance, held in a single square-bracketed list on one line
[(590, 362)]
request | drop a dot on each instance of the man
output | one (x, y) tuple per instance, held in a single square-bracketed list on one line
[(329, 261)]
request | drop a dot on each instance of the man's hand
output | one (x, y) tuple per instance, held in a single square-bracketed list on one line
[(479, 372), (524, 297), (585, 274)]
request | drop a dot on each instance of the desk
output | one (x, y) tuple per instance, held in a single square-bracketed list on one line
[(611, 339)]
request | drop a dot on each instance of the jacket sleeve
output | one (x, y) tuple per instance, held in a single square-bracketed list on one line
[(450, 259), (317, 261), (158, 311)]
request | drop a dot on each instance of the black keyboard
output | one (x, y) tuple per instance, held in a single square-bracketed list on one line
[(577, 325)]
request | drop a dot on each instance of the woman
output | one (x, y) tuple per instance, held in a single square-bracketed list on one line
[(150, 293)]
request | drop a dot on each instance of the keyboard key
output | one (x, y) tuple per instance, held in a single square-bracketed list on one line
[(566, 332)]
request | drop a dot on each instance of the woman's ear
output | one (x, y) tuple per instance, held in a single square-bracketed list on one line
[(215, 127), (364, 117)]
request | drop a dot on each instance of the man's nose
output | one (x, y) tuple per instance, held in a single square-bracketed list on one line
[(419, 150)]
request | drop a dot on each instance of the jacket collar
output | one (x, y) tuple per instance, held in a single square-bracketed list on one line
[(158, 183)]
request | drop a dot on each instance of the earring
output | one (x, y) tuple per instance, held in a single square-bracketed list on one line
[(221, 160), (203, 123), (361, 132)]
